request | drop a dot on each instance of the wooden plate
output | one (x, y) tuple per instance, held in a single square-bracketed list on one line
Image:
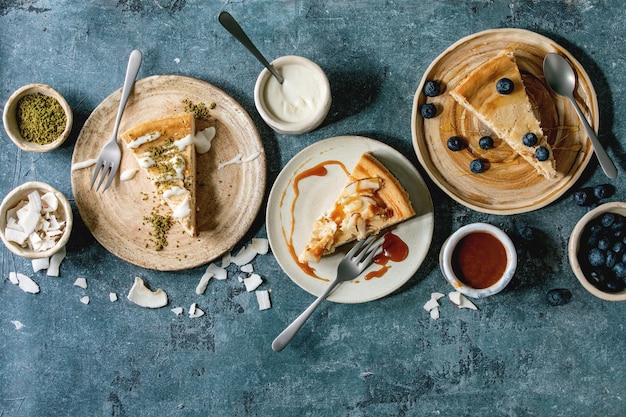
[(510, 185), (228, 198)]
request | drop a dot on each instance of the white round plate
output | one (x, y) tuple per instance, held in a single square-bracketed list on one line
[(317, 193)]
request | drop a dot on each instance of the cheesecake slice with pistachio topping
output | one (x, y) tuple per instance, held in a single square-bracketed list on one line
[(372, 200), (165, 149)]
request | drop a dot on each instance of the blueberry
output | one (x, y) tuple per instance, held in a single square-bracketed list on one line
[(527, 233), (558, 296), (455, 143), (611, 259), (607, 219), (603, 191), (583, 197), (477, 166), (504, 86), (596, 257), (624, 258), (618, 247), (428, 110), (530, 139), (542, 153), (486, 142), (432, 88), (604, 243), (619, 270), (614, 284)]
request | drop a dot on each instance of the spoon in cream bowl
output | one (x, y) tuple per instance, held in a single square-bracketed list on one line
[(231, 25), (561, 78)]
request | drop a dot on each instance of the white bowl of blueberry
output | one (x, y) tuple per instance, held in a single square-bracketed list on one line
[(597, 251)]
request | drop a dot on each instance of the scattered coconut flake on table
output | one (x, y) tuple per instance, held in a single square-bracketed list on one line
[(217, 271), (85, 299), (252, 282), (13, 278), (263, 298), (245, 255), (461, 301), (113, 297), (25, 283), (18, 324), (144, 297), (204, 282), (195, 311), (84, 164), (432, 305), (260, 245), (40, 264), (226, 259), (247, 268), (128, 174), (177, 310), (55, 263), (81, 282)]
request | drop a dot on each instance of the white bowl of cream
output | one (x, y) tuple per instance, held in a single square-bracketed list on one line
[(298, 105)]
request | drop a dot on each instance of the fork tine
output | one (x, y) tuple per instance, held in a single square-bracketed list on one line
[(371, 253), (96, 170), (105, 171), (112, 173), (368, 243), (357, 247)]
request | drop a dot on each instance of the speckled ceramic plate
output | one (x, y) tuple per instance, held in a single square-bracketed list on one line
[(510, 185), (228, 198), (287, 223)]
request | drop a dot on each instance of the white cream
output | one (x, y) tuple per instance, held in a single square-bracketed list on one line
[(174, 191), (204, 139), (144, 139), (182, 143), (297, 98), (183, 210)]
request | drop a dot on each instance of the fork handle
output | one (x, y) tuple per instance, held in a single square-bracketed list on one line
[(285, 337), (134, 62)]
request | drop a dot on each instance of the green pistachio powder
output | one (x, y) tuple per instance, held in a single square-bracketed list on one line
[(40, 118)]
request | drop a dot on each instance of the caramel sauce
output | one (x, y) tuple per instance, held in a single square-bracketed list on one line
[(394, 249), (318, 170), (479, 260)]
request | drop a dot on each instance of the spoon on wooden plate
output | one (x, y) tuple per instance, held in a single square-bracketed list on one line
[(561, 78), (231, 25)]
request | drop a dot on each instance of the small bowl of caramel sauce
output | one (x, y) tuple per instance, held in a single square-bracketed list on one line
[(478, 260)]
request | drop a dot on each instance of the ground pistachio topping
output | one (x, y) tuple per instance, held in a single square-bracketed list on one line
[(40, 118), (200, 110), (161, 225)]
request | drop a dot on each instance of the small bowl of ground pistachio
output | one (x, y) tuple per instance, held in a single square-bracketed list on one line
[(37, 118)]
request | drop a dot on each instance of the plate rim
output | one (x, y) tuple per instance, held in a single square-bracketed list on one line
[(283, 180), (594, 109)]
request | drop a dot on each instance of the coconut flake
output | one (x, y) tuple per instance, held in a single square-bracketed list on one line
[(245, 255), (13, 278), (112, 297), (143, 297), (55, 263), (461, 301), (226, 259), (177, 310), (27, 284), (195, 311), (432, 305), (252, 282), (263, 298), (85, 299), (260, 245), (247, 268), (81, 282), (218, 272), (40, 264), (204, 282), (18, 324)]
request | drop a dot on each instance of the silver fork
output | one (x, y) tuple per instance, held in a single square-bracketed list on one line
[(110, 155), (356, 260)]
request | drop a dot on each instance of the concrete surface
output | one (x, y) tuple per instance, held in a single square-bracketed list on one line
[(515, 356)]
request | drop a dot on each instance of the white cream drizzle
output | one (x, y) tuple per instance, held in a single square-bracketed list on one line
[(144, 139), (174, 191), (183, 210)]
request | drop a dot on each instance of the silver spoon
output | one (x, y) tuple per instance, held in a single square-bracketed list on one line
[(561, 78), (231, 25)]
